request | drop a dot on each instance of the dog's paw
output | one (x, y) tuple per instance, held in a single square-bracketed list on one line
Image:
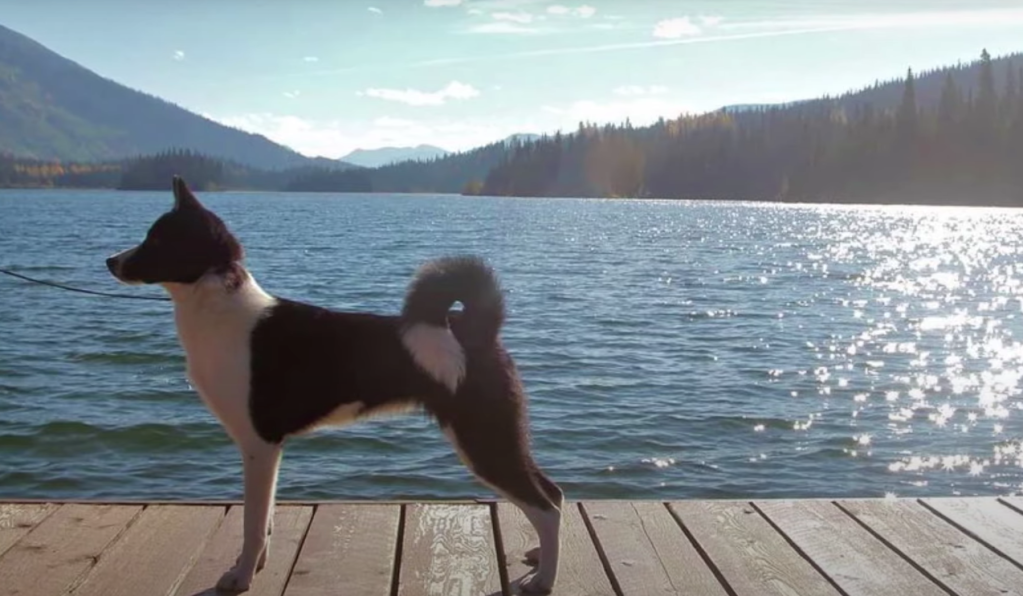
[(535, 584), (532, 557), (234, 580)]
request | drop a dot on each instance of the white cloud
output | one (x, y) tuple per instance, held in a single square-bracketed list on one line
[(438, 3), (292, 94), (414, 97), (585, 11), (710, 21), (676, 28), (638, 90), (375, 10), (334, 138), (310, 59), (178, 55), (474, 12), (515, 17)]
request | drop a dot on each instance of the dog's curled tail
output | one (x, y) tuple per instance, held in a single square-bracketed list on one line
[(424, 319)]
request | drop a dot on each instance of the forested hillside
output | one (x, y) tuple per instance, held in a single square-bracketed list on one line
[(968, 148)]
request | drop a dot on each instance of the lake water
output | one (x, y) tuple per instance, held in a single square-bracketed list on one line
[(670, 349)]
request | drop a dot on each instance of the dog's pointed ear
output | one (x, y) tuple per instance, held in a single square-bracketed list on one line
[(183, 197)]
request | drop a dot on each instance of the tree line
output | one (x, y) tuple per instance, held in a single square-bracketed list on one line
[(966, 150)]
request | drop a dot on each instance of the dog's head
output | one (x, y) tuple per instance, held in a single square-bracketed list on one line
[(183, 245)]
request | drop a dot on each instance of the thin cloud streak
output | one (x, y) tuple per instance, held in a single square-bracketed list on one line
[(630, 46), (861, 23)]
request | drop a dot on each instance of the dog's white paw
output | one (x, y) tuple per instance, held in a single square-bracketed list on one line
[(532, 557), (235, 580), (536, 583)]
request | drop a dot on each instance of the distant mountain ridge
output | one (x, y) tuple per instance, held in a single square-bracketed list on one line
[(374, 158), (54, 108)]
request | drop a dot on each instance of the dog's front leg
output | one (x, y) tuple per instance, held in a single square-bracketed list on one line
[(260, 463)]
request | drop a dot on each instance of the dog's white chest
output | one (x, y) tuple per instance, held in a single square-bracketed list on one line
[(216, 338)]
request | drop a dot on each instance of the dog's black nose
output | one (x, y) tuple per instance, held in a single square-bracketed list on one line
[(112, 265)]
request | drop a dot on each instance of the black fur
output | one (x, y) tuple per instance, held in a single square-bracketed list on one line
[(200, 241)]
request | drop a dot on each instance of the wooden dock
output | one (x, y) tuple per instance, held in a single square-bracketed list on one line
[(900, 547)]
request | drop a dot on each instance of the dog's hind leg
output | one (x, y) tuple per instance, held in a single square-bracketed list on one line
[(498, 457), (260, 463)]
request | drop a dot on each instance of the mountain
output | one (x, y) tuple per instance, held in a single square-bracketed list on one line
[(374, 158), (54, 109), (522, 137)]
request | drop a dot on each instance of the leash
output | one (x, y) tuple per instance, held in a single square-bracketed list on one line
[(81, 290)]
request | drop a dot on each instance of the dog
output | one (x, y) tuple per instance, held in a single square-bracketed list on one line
[(270, 368)]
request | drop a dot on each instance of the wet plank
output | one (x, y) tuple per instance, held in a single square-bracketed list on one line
[(220, 553), (62, 549), (856, 560), (753, 558), (448, 550), (953, 558), (987, 520), (16, 520), (648, 552), (349, 550), (580, 571), (155, 553)]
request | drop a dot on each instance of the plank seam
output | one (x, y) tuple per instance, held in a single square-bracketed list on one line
[(896, 550), (799, 550), (600, 550), (94, 561), (653, 547), (700, 550), (971, 534), (1010, 506), (398, 551), (33, 528), (298, 550), (196, 554), (502, 559)]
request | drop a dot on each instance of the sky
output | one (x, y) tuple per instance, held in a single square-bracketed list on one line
[(328, 76)]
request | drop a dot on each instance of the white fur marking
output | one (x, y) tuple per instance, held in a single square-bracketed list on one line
[(341, 415), (437, 352), (215, 326)]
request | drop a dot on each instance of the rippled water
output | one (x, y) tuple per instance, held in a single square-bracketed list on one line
[(671, 349)]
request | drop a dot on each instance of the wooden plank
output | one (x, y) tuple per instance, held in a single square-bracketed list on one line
[(61, 549), (647, 551), (156, 552), (448, 550), (953, 558), (856, 560), (290, 525), (16, 520), (349, 550), (752, 557), (580, 571), (987, 520)]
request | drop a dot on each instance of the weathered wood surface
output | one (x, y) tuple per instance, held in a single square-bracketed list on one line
[(957, 546)]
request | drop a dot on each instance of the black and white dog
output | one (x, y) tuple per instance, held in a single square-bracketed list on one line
[(271, 368)]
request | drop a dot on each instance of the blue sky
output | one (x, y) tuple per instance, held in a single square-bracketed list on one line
[(326, 77)]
